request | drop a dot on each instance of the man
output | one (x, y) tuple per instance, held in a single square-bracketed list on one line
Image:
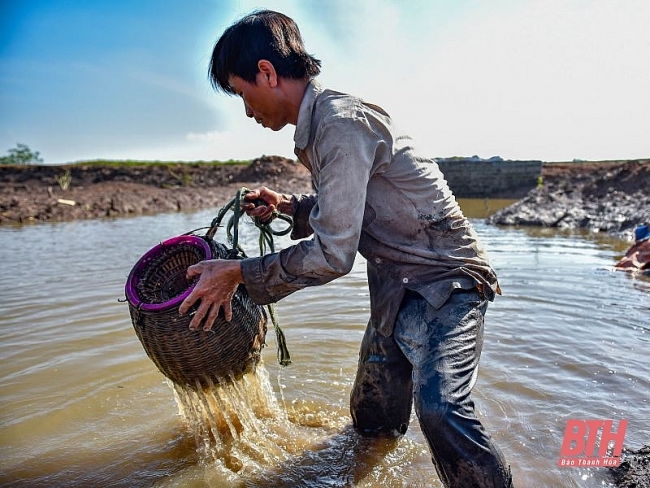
[(429, 278)]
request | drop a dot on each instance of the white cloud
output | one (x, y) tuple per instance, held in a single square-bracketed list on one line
[(210, 136), (545, 81), (538, 79)]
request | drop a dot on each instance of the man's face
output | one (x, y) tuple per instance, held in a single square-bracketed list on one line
[(261, 101)]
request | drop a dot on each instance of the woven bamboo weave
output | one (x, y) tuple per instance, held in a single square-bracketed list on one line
[(155, 289)]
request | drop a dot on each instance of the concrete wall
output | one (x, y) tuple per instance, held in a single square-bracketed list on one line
[(469, 178)]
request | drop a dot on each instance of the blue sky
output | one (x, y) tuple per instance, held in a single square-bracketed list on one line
[(524, 79)]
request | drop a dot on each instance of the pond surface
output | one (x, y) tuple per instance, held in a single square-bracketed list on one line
[(82, 405)]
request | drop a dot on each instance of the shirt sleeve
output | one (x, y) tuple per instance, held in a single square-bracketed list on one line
[(344, 152), (302, 205)]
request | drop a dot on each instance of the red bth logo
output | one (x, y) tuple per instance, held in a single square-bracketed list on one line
[(581, 449)]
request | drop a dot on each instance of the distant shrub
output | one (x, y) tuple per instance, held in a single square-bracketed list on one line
[(21, 154)]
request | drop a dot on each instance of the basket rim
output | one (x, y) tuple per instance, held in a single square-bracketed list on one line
[(133, 279)]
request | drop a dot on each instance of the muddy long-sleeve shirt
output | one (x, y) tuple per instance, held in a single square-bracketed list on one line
[(374, 195)]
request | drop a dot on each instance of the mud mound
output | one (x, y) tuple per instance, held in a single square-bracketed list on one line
[(634, 470), (607, 197), (272, 171)]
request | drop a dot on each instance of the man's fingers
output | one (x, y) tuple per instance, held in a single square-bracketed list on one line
[(268, 213), (194, 270), (212, 316), (188, 302), (195, 323), (264, 213), (227, 310), (252, 195)]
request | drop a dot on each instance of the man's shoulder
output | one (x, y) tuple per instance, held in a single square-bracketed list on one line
[(337, 107), (329, 98)]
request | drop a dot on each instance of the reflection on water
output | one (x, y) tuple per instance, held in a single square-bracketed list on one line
[(480, 208), (82, 405)]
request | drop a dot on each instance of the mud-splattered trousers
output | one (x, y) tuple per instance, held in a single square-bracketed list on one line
[(431, 360)]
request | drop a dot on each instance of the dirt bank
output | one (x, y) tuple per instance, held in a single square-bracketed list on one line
[(611, 197), (36, 193)]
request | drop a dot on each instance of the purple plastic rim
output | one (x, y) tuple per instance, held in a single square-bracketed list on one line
[(133, 280)]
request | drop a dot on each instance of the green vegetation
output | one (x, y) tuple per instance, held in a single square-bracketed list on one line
[(21, 154), (184, 178), (64, 180)]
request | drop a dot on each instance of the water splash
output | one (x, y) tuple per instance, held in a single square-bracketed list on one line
[(238, 424), (245, 437)]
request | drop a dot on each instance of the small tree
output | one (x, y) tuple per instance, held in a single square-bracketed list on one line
[(21, 154)]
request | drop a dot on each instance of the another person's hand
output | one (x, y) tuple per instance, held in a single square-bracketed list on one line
[(217, 284), (636, 258)]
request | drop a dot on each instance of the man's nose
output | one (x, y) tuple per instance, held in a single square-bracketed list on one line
[(249, 112)]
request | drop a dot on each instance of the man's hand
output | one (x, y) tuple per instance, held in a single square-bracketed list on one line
[(218, 282), (274, 201)]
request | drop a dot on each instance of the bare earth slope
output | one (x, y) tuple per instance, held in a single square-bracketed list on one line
[(34, 194)]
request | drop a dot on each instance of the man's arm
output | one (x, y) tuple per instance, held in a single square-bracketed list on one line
[(345, 153)]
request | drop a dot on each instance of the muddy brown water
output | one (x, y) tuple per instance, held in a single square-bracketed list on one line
[(82, 405)]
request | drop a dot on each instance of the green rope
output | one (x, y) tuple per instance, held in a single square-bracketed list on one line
[(266, 244)]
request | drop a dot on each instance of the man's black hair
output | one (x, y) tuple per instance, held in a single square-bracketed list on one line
[(263, 34)]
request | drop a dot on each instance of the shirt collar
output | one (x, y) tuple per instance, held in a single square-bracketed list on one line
[(303, 127)]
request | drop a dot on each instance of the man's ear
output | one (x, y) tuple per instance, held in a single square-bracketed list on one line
[(267, 70)]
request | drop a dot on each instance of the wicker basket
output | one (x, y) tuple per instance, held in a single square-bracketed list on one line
[(156, 287)]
